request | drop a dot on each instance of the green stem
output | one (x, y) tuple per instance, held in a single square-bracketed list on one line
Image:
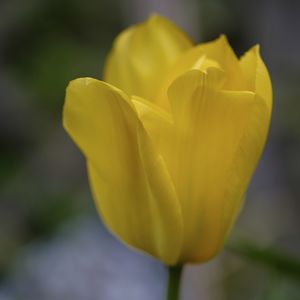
[(174, 282)]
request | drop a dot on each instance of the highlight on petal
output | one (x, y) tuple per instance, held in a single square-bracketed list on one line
[(142, 54), (220, 137), (257, 76), (131, 185)]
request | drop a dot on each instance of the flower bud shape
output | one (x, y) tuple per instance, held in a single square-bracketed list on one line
[(171, 137)]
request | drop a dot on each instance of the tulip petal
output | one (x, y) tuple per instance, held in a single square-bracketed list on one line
[(158, 124), (220, 51), (220, 138), (142, 54), (130, 182), (219, 54), (256, 73)]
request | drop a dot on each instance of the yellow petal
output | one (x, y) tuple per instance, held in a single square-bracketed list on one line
[(129, 179), (142, 54), (217, 53), (257, 76), (220, 138), (157, 122), (220, 51)]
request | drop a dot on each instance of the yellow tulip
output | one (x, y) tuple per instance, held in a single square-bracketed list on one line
[(171, 137)]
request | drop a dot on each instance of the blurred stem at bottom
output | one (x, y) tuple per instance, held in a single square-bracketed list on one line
[(173, 292)]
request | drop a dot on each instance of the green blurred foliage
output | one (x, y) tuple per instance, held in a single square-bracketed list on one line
[(61, 40)]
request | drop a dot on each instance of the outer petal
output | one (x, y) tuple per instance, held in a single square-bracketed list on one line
[(218, 53), (130, 182), (220, 138), (257, 76), (142, 54)]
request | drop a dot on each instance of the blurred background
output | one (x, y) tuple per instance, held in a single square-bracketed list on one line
[(52, 243)]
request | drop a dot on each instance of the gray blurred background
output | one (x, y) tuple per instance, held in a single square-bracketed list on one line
[(52, 243)]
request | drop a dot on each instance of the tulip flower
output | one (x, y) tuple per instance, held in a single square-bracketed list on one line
[(171, 137)]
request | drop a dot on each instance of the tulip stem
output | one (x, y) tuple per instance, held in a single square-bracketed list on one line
[(174, 282)]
